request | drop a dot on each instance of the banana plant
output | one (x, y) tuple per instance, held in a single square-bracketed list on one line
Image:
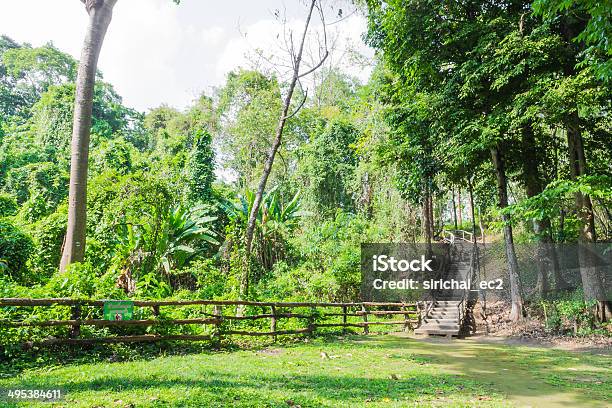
[(274, 220), (181, 228), (164, 243)]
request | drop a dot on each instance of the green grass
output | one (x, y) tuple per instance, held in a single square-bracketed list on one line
[(374, 371)]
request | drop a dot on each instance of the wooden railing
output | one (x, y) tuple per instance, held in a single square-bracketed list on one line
[(452, 236), (218, 318)]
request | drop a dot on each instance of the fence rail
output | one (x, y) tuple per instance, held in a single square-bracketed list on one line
[(411, 313)]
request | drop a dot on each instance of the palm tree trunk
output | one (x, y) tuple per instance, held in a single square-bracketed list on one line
[(100, 14)]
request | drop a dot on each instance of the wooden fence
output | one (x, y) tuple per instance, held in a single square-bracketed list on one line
[(367, 313)]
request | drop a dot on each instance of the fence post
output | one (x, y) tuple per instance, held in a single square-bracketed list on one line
[(407, 325), (273, 322), (366, 329), (344, 319), (155, 310), (311, 318), (218, 314), (75, 330)]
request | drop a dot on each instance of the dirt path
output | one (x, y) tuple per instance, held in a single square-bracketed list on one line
[(520, 372)]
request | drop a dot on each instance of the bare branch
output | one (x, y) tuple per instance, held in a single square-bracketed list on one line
[(311, 70), (299, 106)]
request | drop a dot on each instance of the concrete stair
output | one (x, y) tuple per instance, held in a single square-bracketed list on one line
[(442, 319), (443, 316)]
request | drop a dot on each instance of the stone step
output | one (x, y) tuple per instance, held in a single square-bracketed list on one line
[(441, 321), (442, 308), (447, 302), (437, 331), (451, 310), (454, 327), (453, 316)]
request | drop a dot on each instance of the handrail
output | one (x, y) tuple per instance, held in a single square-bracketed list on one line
[(462, 305), (454, 235)]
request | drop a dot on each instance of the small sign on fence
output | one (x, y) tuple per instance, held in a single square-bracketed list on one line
[(118, 309)]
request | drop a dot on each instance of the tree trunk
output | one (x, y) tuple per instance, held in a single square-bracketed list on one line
[(427, 219), (533, 187), (471, 192), (297, 59), (591, 279), (432, 218), (459, 208), (481, 226), (100, 14), (454, 209), (516, 296)]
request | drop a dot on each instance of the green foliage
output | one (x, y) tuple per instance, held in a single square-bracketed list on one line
[(595, 34), (249, 106), (327, 261), (8, 205), (114, 154), (26, 73), (149, 253), (78, 281), (452, 80), (182, 228), (559, 198), (15, 249), (38, 187), (327, 168), (210, 282), (43, 66), (51, 121), (200, 167), (570, 313), (48, 236), (275, 221)]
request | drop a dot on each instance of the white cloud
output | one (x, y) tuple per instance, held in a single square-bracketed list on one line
[(156, 51), (213, 36), (267, 36)]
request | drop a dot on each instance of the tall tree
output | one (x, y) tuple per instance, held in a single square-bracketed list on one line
[(296, 61), (100, 14), (516, 296)]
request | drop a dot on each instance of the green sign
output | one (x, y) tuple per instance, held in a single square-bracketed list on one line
[(118, 310)]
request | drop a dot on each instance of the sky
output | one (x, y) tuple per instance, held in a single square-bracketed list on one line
[(157, 52)]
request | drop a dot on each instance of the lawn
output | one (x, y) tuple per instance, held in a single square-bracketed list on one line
[(372, 371)]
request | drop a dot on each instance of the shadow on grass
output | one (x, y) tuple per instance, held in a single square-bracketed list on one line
[(484, 368), (274, 388), (62, 355)]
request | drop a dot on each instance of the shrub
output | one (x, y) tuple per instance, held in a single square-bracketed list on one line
[(8, 205), (15, 249), (211, 283), (38, 188), (79, 280), (48, 235)]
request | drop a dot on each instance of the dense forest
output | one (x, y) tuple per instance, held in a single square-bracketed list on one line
[(486, 116)]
